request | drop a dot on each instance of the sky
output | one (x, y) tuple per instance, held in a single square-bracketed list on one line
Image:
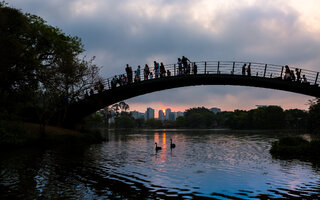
[(138, 32)]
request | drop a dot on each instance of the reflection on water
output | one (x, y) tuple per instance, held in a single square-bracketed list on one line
[(217, 165)]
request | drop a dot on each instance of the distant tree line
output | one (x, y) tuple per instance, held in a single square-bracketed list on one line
[(42, 70), (268, 117)]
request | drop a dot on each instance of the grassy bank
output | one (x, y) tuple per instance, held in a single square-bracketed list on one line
[(22, 134), (296, 148)]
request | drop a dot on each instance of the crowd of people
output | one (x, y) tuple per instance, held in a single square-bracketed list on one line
[(186, 67), (158, 71), (290, 75)]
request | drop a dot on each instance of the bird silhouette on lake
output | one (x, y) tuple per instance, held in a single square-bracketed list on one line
[(157, 148), (171, 144)]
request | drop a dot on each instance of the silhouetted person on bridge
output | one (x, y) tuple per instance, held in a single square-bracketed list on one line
[(179, 66), (298, 74), (138, 72), (195, 68), (184, 61), (287, 73), (304, 79), (244, 69), (146, 72), (156, 69), (127, 70), (188, 69), (292, 76), (136, 77), (129, 74), (249, 69), (162, 70), (168, 73)]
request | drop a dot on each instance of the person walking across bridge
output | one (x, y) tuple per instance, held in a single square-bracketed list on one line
[(146, 72), (195, 68), (179, 66), (162, 71), (128, 73), (249, 70), (138, 72), (184, 61), (287, 75), (244, 69), (156, 69), (298, 74)]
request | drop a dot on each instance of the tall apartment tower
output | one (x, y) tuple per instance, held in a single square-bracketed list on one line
[(161, 115), (149, 114), (168, 111)]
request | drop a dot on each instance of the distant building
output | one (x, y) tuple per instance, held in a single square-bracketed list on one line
[(180, 114), (161, 115), (215, 110), (261, 106), (172, 116), (168, 111), (137, 115), (149, 114)]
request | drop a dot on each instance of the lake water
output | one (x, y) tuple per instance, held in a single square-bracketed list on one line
[(204, 164)]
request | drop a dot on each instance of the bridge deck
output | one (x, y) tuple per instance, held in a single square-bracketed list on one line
[(208, 73)]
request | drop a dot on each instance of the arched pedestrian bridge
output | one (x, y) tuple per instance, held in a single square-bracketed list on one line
[(208, 73)]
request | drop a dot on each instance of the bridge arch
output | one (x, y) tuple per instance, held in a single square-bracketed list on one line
[(208, 73)]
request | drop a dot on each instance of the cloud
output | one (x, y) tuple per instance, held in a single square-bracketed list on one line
[(138, 32)]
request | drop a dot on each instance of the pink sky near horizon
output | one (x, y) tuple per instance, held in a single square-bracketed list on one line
[(287, 100)]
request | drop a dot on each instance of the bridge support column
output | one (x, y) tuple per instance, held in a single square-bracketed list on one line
[(218, 71), (174, 69), (315, 82)]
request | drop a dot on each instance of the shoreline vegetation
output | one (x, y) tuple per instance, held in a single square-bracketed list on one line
[(21, 134), (295, 147)]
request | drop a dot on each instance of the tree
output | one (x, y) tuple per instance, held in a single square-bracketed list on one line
[(296, 119), (120, 107), (269, 117), (124, 121), (199, 117), (314, 115), (180, 122), (114, 110), (18, 59), (41, 66)]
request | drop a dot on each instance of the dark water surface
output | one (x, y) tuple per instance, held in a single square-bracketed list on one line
[(204, 164)]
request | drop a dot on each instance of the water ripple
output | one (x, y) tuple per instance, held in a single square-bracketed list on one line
[(203, 165)]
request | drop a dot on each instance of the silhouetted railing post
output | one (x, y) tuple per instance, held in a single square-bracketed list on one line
[(174, 69), (315, 82), (218, 72), (233, 68), (265, 69), (205, 67), (281, 72)]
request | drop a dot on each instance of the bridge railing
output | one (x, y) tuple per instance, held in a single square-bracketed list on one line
[(226, 67)]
